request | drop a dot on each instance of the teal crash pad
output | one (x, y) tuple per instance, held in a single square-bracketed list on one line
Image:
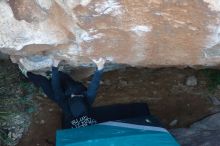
[(111, 135)]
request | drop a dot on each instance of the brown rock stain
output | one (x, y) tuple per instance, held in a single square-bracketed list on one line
[(177, 37), (27, 10), (179, 30)]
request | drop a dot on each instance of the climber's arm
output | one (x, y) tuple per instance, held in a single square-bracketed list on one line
[(94, 85), (56, 85)]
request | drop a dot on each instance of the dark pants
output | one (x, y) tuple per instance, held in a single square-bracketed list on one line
[(101, 114)]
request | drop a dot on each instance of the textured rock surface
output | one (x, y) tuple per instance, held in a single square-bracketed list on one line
[(202, 133), (133, 32)]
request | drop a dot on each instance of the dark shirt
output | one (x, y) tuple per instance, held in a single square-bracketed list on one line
[(77, 107)]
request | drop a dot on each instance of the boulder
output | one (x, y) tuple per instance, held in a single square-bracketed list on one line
[(202, 133), (145, 33)]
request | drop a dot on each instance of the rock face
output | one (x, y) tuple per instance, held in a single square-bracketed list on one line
[(202, 133), (134, 32)]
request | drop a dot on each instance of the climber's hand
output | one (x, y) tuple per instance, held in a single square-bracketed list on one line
[(56, 62), (14, 59), (100, 63)]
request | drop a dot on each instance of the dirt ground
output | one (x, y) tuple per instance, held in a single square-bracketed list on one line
[(165, 91)]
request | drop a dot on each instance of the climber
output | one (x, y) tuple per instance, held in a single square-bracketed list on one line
[(73, 97), (76, 100)]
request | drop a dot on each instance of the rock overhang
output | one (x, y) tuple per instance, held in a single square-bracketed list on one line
[(155, 33)]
